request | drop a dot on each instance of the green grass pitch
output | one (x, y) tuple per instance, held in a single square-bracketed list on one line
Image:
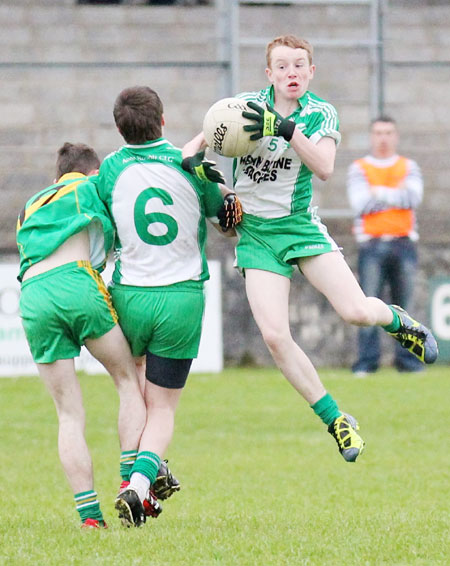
[(262, 480)]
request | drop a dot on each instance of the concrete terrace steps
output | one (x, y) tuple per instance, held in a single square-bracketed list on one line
[(71, 33), (45, 105)]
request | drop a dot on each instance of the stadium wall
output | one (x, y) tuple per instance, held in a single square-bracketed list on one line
[(62, 66)]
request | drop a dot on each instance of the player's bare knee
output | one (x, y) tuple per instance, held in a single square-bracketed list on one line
[(71, 417), (358, 315), (274, 339)]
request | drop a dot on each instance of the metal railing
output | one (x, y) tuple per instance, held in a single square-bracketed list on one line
[(231, 39)]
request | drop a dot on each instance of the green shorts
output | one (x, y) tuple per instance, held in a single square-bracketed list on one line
[(166, 321), (63, 307), (275, 244)]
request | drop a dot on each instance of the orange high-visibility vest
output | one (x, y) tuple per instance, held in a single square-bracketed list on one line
[(394, 222)]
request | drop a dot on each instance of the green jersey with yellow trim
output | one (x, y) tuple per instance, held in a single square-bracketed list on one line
[(272, 181), (159, 211), (58, 212)]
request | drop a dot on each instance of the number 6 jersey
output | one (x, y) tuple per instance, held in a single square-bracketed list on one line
[(158, 211)]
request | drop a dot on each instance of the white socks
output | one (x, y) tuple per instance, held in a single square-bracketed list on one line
[(140, 484)]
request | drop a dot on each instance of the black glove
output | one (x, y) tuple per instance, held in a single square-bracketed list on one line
[(202, 168), (230, 213), (268, 123)]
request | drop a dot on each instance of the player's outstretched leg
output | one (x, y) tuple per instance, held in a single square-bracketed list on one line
[(415, 337), (131, 511), (350, 444)]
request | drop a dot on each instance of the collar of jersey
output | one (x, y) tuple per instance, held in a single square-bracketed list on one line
[(302, 101), (70, 176), (151, 143)]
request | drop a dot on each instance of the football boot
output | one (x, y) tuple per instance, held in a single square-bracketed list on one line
[(93, 524), (131, 511), (165, 484), (350, 444), (415, 337)]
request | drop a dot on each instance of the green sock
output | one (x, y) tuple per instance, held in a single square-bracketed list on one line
[(88, 506), (395, 324), (127, 460), (326, 408), (147, 464)]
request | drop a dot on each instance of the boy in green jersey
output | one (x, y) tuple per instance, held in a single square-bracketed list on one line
[(298, 133), (63, 236), (159, 207)]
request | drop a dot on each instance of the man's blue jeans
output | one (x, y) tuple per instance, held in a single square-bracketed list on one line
[(386, 264)]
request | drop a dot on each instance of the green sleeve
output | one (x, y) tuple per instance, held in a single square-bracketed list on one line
[(325, 124), (101, 182), (105, 182), (212, 199)]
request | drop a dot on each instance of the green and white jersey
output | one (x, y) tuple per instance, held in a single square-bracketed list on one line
[(159, 211), (272, 181), (58, 212)]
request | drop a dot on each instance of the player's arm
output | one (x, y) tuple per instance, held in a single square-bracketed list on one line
[(202, 168), (318, 157), (230, 212), (194, 161), (194, 145)]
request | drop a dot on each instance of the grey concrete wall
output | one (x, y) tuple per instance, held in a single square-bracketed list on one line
[(43, 106), (61, 100)]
